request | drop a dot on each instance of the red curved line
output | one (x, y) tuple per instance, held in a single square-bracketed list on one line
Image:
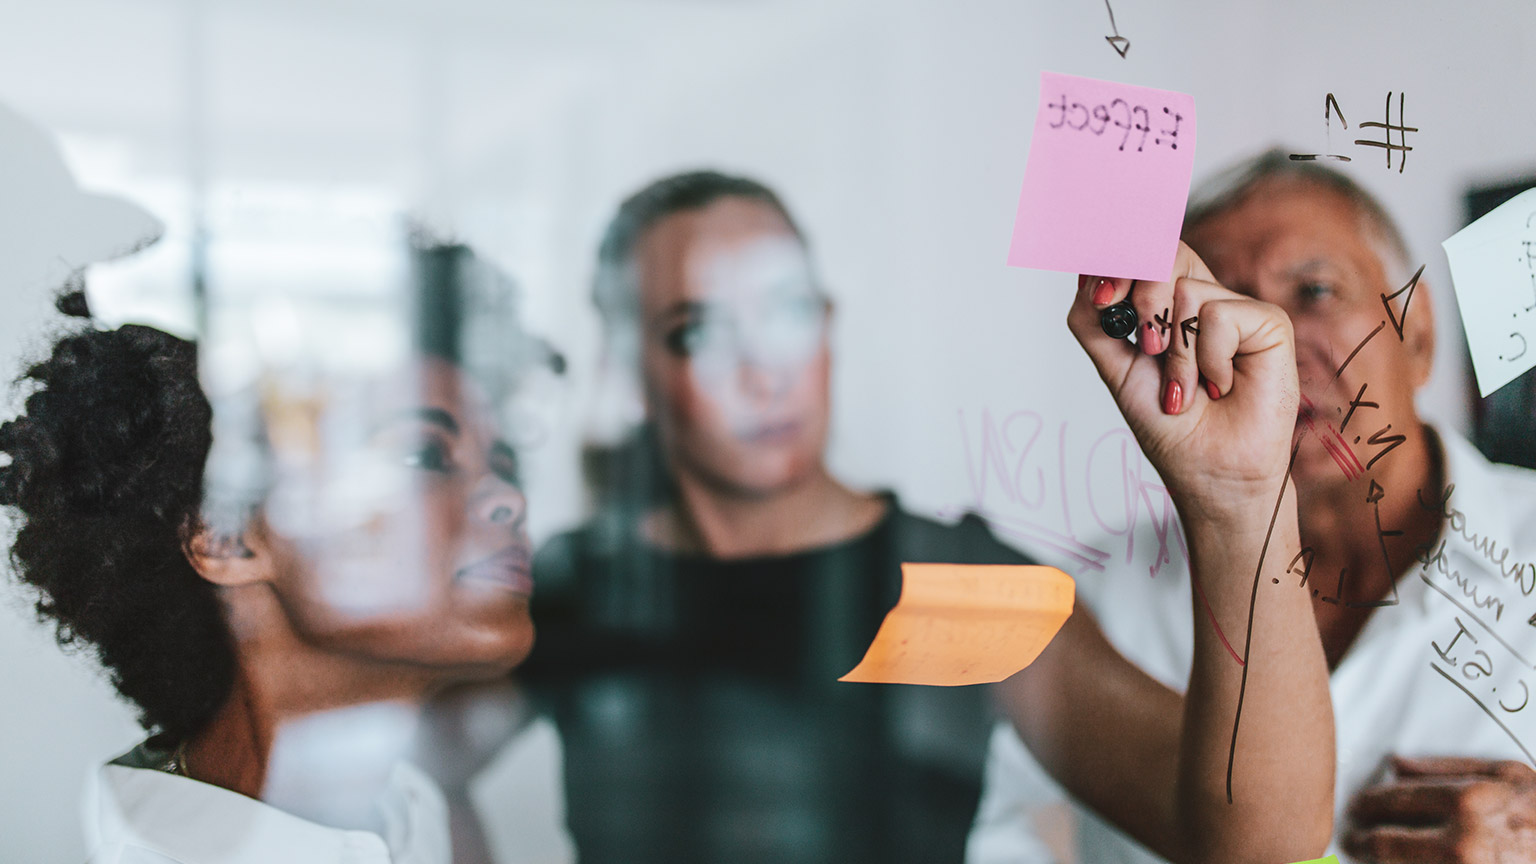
[(1212, 614)]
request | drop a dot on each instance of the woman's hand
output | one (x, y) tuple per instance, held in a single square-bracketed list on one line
[(1209, 389), (1210, 392)]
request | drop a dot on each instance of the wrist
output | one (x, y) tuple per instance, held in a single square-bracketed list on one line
[(1233, 515), (1243, 526)]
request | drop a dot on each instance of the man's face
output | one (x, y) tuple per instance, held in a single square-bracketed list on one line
[(1309, 251)]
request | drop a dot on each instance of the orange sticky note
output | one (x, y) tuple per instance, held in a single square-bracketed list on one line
[(966, 624)]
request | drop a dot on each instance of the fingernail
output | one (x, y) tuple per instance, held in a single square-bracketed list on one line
[(1210, 387), (1151, 340), (1104, 293), (1173, 398)]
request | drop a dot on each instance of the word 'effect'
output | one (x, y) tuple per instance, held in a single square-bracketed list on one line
[(1107, 179), (1121, 115)]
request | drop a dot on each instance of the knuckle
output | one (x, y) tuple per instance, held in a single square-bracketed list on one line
[(1477, 798), (1468, 802), (1365, 801), (1280, 316), (1516, 771), (1284, 322), (1216, 313)]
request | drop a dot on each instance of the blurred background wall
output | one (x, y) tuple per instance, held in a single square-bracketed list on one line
[(898, 131)]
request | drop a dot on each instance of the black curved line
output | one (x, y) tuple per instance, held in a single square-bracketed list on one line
[(1111, 18)]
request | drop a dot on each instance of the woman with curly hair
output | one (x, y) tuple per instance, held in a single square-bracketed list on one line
[(295, 683)]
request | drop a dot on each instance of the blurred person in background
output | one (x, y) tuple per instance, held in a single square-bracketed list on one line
[(728, 578), (1417, 557), (692, 632), (313, 691)]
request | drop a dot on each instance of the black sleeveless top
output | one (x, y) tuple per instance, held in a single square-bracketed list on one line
[(701, 714)]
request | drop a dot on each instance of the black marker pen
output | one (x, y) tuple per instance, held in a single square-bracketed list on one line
[(1119, 320)]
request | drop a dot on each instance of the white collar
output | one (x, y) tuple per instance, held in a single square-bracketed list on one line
[(199, 823)]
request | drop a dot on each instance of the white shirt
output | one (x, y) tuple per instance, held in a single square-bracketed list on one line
[(147, 816), (1388, 697)]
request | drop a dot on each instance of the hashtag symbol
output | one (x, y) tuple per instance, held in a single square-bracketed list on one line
[(1402, 133)]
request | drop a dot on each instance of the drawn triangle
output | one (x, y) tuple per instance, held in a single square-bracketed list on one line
[(1386, 300), (1119, 43), (1375, 493)]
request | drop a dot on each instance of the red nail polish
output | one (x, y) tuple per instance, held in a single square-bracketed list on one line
[(1152, 340), (1173, 398), (1104, 293), (1210, 387)]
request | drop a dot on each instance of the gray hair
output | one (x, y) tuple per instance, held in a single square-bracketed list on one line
[(1231, 187)]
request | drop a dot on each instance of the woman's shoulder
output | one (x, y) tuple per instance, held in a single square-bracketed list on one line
[(969, 540), (599, 540)]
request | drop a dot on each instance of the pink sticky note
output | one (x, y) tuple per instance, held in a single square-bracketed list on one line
[(1107, 179)]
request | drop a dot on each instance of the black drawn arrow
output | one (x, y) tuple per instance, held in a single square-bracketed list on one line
[(1121, 44), (1187, 326)]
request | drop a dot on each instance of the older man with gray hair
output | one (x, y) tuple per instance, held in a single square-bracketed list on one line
[(1415, 549)]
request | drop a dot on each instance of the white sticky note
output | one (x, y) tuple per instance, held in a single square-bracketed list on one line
[(1493, 267)]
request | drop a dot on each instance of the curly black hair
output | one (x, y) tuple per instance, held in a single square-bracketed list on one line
[(106, 481)]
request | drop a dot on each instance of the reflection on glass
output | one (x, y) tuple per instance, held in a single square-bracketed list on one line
[(311, 580), (692, 632)]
